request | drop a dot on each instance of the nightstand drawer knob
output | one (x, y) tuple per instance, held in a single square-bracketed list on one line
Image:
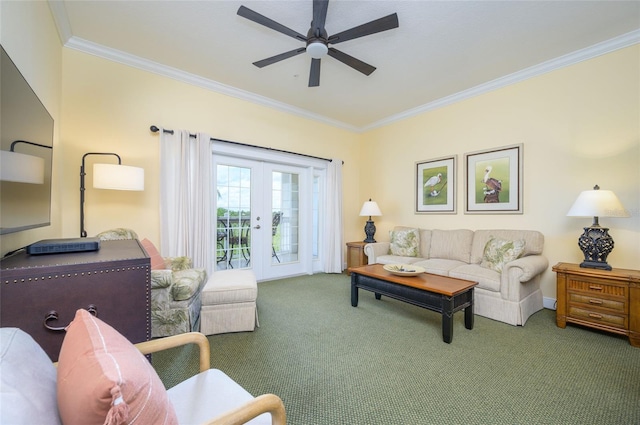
[(595, 316), (592, 301), (595, 288)]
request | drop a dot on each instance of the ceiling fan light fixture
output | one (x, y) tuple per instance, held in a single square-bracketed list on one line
[(317, 49), (317, 40)]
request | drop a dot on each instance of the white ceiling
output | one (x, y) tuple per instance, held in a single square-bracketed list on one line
[(442, 51)]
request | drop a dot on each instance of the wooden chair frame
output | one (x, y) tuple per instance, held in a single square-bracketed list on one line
[(266, 403)]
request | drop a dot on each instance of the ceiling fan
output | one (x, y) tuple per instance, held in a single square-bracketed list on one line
[(317, 41)]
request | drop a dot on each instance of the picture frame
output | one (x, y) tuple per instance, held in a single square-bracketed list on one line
[(494, 180), (436, 186)]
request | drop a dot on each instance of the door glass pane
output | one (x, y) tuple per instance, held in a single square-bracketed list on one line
[(285, 214), (233, 233)]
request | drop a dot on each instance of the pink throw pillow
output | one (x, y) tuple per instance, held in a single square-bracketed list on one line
[(104, 379), (157, 262)]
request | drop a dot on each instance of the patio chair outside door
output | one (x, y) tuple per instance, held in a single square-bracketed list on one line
[(262, 214)]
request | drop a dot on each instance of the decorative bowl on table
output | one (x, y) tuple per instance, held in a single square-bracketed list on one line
[(403, 269)]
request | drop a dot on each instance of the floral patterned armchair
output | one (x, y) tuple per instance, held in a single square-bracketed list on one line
[(176, 288)]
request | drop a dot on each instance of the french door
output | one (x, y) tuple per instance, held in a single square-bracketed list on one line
[(263, 216)]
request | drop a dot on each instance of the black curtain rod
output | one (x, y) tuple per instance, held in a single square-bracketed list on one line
[(155, 129)]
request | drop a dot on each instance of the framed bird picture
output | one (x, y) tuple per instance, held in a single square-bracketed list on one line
[(436, 186), (494, 180)]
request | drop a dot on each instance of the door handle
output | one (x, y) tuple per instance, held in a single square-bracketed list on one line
[(257, 227)]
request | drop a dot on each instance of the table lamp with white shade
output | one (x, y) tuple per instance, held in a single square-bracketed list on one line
[(370, 208), (596, 243)]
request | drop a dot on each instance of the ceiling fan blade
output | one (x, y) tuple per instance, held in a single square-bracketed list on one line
[(354, 63), (314, 75), (379, 25), (269, 23), (277, 58), (319, 14)]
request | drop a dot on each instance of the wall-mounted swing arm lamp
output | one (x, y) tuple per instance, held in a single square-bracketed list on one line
[(22, 168), (109, 176)]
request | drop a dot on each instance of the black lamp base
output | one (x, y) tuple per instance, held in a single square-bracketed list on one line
[(370, 230), (596, 245), (595, 265)]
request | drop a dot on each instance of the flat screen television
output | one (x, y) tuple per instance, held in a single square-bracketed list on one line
[(26, 128)]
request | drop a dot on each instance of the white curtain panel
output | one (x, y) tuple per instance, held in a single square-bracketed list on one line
[(333, 242), (186, 184)]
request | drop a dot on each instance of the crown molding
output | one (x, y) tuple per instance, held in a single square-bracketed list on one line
[(68, 40), (60, 17), (186, 77), (587, 53)]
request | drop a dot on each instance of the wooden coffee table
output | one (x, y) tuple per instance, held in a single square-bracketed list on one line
[(442, 294)]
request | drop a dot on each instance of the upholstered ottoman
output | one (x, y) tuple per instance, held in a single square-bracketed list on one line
[(229, 302)]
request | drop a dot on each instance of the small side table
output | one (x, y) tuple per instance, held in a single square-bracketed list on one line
[(608, 300), (355, 255)]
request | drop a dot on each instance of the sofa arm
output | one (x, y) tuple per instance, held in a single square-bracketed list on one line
[(521, 277), (373, 250), (188, 283), (530, 267), (161, 279)]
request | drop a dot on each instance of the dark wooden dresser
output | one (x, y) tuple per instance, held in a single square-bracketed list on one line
[(41, 293)]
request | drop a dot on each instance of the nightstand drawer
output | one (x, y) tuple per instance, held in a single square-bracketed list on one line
[(597, 286), (588, 300), (595, 316)]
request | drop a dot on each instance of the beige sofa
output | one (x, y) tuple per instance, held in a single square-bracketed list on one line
[(510, 295)]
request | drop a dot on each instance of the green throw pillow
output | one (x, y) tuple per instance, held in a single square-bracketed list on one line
[(498, 252), (405, 243)]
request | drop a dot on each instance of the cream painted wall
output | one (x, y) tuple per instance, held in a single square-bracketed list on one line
[(30, 38), (109, 107), (579, 126)]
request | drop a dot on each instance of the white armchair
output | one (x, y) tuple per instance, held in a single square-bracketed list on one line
[(30, 387)]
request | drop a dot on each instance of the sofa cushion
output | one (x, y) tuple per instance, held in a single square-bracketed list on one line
[(405, 242), (498, 252), (27, 381), (487, 279), (104, 379), (439, 266), (451, 244), (208, 395), (534, 241), (425, 243), (178, 263), (397, 259)]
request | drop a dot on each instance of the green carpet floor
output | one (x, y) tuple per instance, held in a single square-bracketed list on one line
[(384, 362)]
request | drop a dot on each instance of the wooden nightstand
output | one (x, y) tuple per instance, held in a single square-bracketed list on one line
[(600, 299), (355, 255)]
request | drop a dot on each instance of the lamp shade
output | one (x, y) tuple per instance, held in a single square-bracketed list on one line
[(597, 203), (21, 168), (118, 177), (370, 208)]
